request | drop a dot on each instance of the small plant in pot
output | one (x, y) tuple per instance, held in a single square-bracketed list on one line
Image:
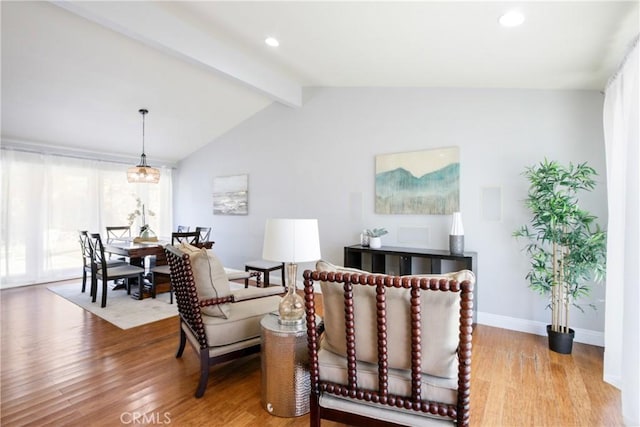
[(374, 237), (566, 246)]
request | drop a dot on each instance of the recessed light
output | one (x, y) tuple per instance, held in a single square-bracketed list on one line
[(511, 19), (271, 41)]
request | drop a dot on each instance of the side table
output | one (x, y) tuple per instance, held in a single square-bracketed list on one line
[(265, 267), (285, 368)]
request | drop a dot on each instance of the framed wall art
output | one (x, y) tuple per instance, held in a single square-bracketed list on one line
[(419, 182), (231, 195)]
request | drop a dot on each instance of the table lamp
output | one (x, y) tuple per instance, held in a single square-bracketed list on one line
[(291, 241)]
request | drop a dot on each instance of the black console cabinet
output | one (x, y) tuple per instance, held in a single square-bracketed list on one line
[(353, 258)]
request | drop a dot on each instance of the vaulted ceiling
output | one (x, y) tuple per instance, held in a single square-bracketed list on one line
[(75, 74)]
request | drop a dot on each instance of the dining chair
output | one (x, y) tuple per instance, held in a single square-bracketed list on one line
[(102, 271), (190, 237), (87, 258), (183, 228), (205, 234), (120, 232)]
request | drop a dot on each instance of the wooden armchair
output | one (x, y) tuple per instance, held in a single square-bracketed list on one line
[(395, 350), (219, 325)]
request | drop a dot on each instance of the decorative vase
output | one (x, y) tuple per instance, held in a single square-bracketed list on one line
[(364, 239), (375, 242), (560, 342), (456, 235), (147, 234)]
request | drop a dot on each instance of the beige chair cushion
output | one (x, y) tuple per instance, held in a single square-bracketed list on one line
[(210, 278), (334, 368), (242, 324), (440, 313), (389, 414)]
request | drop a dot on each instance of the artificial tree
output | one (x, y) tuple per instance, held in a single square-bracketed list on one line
[(566, 246)]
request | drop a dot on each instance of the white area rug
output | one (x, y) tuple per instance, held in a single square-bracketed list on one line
[(121, 310)]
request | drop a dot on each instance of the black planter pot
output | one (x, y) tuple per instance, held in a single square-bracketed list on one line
[(560, 342)]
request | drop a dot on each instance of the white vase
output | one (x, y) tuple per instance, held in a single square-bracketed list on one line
[(375, 242), (457, 228)]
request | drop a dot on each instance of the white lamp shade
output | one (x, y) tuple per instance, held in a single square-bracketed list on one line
[(291, 240)]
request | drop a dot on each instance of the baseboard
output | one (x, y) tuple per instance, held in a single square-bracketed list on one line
[(614, 380), (584, 336)]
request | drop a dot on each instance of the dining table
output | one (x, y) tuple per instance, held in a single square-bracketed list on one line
[(146, 254), (137, 251)]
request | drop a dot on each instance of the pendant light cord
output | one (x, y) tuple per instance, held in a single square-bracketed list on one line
[(144, 113)]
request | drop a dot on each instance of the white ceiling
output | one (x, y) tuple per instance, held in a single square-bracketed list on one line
[(74, 74)]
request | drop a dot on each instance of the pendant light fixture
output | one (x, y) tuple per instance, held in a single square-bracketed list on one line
[(143, 173)]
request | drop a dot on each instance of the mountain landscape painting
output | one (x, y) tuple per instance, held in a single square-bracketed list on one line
[(419, 182)]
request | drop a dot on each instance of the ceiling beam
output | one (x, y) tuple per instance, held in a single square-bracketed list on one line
[(154, 26)]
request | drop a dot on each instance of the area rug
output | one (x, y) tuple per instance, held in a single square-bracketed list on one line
[(121, 310)]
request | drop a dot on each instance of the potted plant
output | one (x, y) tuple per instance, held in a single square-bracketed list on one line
[(374, 237), (145, 230), (566, 246)]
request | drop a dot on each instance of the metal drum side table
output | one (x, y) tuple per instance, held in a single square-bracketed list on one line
[(285, 368)]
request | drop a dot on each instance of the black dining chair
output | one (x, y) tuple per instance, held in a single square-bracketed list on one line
[(87, 258), (102, 271), (120, 232), (205, 234), (192, 238)]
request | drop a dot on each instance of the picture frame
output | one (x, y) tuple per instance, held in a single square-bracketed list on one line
[(418, 182), (231, 195)]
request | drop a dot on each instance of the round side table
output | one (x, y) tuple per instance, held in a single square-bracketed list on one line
[(285, 368)]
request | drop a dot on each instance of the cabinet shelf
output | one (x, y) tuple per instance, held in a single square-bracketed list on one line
[(381, 262)]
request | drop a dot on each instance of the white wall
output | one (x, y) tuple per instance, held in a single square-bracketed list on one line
[(318, 162)]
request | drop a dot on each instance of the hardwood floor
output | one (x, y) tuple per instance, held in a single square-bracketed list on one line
[(61, 365)]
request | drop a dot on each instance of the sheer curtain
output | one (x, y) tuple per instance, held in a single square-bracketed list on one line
[(622, 316), (46, 199)]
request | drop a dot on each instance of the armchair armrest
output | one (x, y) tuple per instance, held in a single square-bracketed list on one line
[(241, 295), (253, 293), (215, 301)]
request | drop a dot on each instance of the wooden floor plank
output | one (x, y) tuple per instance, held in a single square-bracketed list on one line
[(61, 365)]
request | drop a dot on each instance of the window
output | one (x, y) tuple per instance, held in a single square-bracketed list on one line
[(46, 199)]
